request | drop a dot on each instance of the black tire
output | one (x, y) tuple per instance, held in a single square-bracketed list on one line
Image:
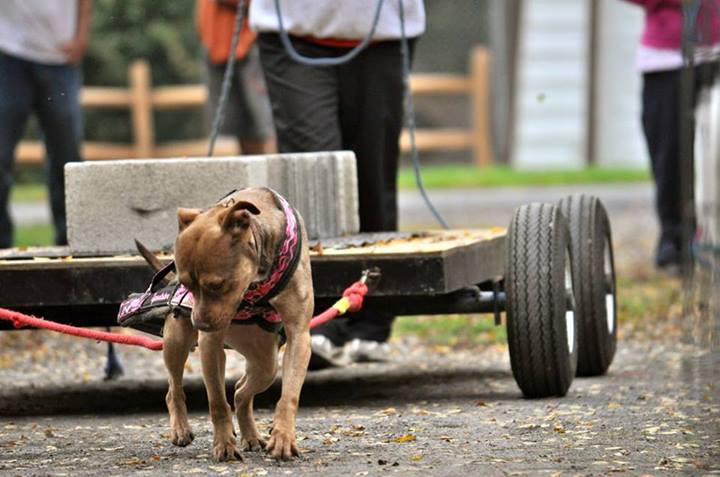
[(542, 342), (594, 272)]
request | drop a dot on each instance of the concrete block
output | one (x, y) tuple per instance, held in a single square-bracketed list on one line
[(110, 203)]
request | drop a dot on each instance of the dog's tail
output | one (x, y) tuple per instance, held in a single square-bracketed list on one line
[(152, 260)]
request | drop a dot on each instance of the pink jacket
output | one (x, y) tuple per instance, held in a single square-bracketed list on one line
[(664, 23)]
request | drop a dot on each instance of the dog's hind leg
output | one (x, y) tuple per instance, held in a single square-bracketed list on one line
[(259, 348), (178, 336)]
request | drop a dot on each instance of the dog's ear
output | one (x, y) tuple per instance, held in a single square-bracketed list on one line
[(186, 217), (239, 216)]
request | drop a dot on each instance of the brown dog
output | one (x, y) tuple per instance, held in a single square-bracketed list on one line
[(219, 253)]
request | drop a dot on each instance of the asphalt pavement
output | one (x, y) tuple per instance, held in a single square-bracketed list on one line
[(429, 413)]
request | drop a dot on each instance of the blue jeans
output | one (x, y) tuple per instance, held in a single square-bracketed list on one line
[(52, 93)]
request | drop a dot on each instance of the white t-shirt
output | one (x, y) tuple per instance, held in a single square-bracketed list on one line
[(651, 60), (339, 19), (36, 29)]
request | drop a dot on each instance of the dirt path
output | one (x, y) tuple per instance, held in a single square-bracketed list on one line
[(657, 413)]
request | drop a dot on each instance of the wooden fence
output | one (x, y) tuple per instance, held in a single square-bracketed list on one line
[(142, 100)]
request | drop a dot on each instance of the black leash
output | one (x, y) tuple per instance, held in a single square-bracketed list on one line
[(219, 116)]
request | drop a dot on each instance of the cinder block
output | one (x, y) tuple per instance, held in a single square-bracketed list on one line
[(110, 203)]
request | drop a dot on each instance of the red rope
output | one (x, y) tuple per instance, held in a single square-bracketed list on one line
[(19, 320), (352, 301)]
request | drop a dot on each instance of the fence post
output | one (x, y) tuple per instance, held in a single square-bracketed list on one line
[(479, 86), (141, 108)]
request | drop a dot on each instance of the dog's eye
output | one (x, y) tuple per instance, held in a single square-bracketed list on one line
[(214, 285)]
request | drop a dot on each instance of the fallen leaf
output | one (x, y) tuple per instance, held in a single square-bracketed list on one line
[(406, 438), (416, 457), (614, 405), (133, 461)]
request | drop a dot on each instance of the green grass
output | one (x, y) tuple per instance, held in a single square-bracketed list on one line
[(649, 307), (457, 176), (36, 192), (34, 235), (452, 176), (451, 330)]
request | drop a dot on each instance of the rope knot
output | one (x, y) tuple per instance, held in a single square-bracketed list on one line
[(355, 294)]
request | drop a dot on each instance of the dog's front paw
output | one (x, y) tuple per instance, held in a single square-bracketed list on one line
[(282, 444), (225, 450), (181, 436), (253, 444)]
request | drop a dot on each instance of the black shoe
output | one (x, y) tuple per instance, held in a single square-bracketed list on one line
[(668, 254)]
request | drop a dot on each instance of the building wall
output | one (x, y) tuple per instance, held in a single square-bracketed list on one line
[(553, 123), (619, 139), (551, 83)]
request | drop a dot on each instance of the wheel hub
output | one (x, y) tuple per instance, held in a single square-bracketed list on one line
[(569, 311), (609, 288)]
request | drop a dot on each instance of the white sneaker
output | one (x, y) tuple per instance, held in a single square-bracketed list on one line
[(325, 354), (360, 351)]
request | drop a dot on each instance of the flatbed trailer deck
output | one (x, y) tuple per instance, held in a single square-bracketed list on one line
[(420, 272)]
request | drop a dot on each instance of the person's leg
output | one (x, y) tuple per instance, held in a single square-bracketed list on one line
[(661, 124), (371, 116), (60, 116), (16, 98), (304, 98), (255, 131), (305, 109)]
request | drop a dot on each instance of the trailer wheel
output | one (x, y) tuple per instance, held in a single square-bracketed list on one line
[(594, 272), (540, 318)]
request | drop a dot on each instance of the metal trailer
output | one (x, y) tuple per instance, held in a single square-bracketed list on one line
[(551, 273)]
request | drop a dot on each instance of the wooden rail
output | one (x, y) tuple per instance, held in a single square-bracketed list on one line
[(142, 99)]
